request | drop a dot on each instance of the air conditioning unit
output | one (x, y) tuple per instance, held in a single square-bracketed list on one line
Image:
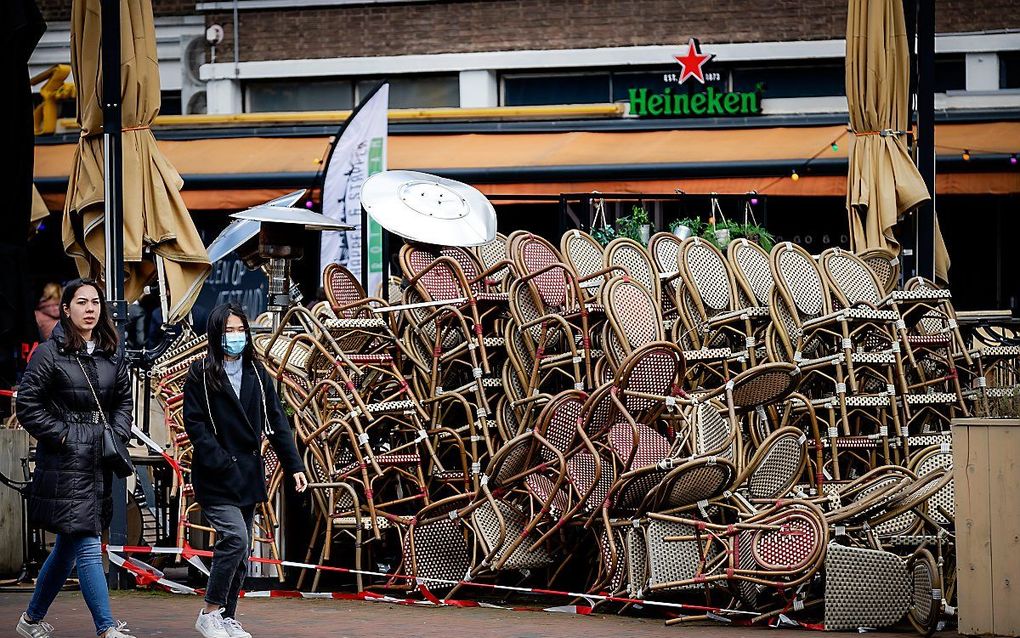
[(194, 54)]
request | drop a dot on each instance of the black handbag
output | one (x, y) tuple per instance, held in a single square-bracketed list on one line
[(115, 453)]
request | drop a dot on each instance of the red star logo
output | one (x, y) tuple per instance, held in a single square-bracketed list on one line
[(693, 62)]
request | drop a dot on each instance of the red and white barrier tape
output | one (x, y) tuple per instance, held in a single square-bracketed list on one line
[(155, 447), (188, 552)]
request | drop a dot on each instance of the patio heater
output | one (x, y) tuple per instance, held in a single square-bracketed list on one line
[(280, 239)]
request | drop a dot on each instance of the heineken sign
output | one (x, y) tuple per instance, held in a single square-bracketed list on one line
[(710, 102), (707, 102)]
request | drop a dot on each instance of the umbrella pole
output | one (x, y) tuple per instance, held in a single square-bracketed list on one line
[(113, 224), (924, 258)]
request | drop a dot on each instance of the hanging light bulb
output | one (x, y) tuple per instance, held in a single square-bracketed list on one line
[(794, 176), (309, 204), (1012, 159), (835, 147), (966, 155)]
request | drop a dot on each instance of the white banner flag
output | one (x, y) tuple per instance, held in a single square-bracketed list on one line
[(359, 152)]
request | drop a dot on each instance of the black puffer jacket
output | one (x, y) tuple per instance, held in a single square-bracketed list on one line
[(70, 491)]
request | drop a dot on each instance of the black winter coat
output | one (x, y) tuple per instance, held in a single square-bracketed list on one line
[(226, 464), (70, 490)]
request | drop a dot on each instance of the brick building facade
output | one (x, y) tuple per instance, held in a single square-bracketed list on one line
[(500, 25)]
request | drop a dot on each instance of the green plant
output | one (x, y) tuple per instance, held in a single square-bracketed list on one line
[(696, 224), (603, 235), (758, 235), (639, 215), (709, 232)]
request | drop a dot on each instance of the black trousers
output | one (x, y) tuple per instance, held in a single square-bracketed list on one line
[(233, 527)]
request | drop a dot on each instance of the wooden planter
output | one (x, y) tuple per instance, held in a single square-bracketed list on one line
[(13, 448), (986, 474)]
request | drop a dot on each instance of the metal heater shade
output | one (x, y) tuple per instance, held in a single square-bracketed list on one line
[(429, 209)]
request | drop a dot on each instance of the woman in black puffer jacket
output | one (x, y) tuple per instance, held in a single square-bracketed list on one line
[(70, 491)]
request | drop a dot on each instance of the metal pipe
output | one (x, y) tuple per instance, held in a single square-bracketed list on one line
[(237, 36), (113, 221), (924, 257)]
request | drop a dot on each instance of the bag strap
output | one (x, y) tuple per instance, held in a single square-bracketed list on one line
[(265, 408), (205, 387), (99, 405)]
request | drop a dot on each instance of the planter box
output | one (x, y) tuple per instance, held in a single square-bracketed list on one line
[(13, 448), (986, 474)]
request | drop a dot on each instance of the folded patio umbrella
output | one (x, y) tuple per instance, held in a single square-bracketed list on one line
[(883, 182), (157, 225)]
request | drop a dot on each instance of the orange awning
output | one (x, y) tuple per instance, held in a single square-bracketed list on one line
[(727, 149)]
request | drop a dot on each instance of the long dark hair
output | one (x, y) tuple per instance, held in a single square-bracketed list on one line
[(104, 334), (215, 326)]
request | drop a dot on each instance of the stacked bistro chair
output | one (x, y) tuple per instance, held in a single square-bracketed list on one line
[(848, 356), (886, 266), (633, 259), (759, 433), (548, 306), (456, 296), (752, 275), (585, 256), (930, 385), (709, 304), (664, 249)]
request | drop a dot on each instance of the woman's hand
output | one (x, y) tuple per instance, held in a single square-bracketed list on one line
[(300, 482)]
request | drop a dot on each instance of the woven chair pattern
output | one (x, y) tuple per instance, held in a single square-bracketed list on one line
[(864, 588), (751, 264)]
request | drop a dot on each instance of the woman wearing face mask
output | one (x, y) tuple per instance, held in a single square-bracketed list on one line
[(230, 402), (75, 383)]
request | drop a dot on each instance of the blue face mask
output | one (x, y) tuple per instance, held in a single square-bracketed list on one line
[(234, 343)]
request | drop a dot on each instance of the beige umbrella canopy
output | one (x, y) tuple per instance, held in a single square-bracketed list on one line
[(883, 182), (156, 220)]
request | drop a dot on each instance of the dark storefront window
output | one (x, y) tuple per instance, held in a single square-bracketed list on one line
[(529, 90), (300, 95), (170, 103), (815, 80), (425, 91), (340, 94), (1009, 70), (950, 73)]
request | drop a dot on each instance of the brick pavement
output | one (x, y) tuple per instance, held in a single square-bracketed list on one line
[(167, 615)]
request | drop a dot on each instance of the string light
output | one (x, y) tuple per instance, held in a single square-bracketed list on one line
[(835, 147), (1012, 159), (309, 204), (795, 176), (966, 155)]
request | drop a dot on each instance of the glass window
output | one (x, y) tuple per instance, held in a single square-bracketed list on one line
[(299, 95), (528, 90), (1009, 70), (427, 91), (169, 102), (950, 73), (815, 80)]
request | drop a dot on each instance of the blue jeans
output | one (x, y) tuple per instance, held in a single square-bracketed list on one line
[(87, 552)]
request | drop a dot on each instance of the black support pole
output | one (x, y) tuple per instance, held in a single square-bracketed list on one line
[(925, 244), (114, 228)]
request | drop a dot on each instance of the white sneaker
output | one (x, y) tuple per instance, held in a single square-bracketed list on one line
[(34, 629), (234, 628), (120, 631), (211, 625)]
